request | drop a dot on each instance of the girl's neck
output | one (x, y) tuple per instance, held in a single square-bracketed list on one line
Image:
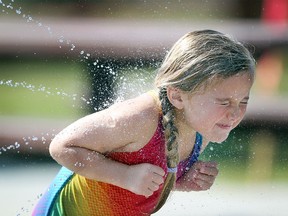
[(186, 140)]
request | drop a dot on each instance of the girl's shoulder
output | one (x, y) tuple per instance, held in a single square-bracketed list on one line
[(145, 107), (142, 113)]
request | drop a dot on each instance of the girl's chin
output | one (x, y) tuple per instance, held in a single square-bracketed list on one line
[(219, 139)]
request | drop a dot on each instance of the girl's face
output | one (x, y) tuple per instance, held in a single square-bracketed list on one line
[(219, 109)]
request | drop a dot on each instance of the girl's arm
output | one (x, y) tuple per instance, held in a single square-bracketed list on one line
[(200, 176), (127, 126)]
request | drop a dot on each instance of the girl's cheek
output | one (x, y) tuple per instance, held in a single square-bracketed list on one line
[(243, 110), (221, 110)]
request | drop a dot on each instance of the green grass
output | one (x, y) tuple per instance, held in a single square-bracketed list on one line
[(284, 79), (37, 88)]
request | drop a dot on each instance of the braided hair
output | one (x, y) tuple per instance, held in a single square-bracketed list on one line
[(170, 133)]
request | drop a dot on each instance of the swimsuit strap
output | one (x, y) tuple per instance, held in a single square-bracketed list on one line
[(195, 152)]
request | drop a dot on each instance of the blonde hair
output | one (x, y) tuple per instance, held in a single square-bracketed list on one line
[(195, 60)]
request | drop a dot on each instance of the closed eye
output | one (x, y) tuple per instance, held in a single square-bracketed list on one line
[(227, 102), (222, 102), (244, 102)]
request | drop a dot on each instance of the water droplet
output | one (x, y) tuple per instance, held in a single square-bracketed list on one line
[(61, 39), (72, 47), (10, 6), (29, 18), (34, 138), (17, 145), (18, 11)]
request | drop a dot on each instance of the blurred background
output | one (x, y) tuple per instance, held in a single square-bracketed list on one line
[(61, 60)]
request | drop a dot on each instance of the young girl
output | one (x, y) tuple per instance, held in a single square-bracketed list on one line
[(126, 159)]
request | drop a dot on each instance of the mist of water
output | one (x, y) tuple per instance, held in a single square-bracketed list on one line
[(123, 87)]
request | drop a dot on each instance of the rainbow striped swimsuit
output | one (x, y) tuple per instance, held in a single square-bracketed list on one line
[(74, 195)]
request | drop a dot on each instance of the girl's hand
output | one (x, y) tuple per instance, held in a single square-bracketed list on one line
[(144, 179), (201, 176)]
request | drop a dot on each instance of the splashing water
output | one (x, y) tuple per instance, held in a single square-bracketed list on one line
[(29, 19), (83, 55), (41, 88), (123, 87), (26, 141), (14, 146)]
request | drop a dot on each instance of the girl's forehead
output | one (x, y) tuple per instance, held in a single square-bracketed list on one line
[(238, 85)]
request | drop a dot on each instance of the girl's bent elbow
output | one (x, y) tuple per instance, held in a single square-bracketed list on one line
[(55, 148), (52, 150)]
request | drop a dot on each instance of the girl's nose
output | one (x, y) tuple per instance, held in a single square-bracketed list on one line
[(234, 113)]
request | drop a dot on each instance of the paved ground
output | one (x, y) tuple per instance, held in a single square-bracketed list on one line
[(21, 186)]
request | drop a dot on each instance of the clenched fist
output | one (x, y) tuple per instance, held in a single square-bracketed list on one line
[(200, 176), (144, 179)]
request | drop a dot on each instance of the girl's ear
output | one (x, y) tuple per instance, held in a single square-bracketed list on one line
[(175, 97)]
